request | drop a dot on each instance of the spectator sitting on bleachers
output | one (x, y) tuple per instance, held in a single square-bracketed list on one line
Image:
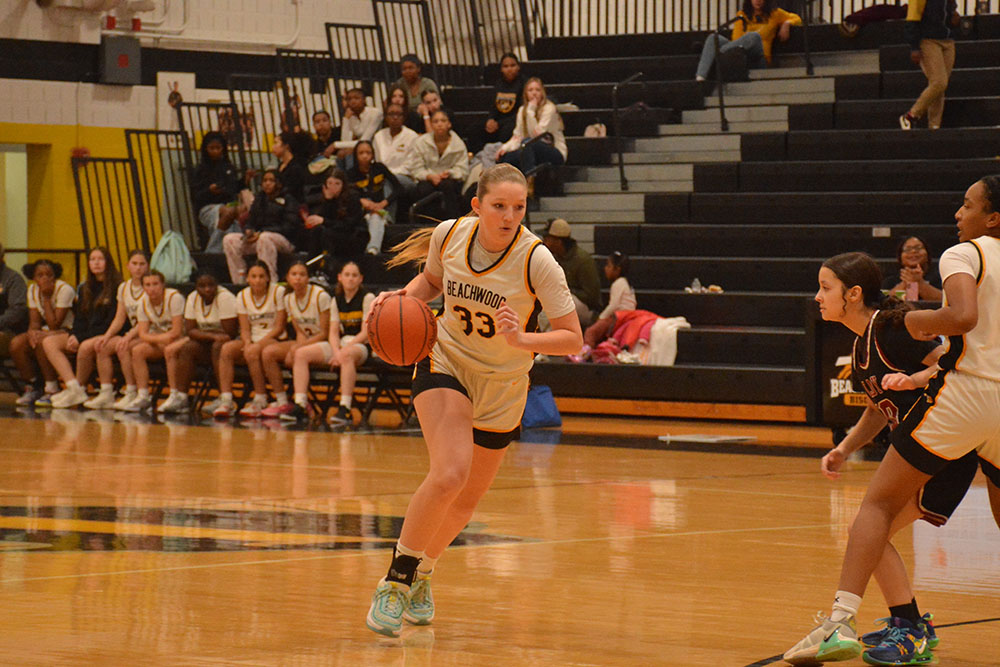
[(378, 189), (538, 120), (579, 267), (214, 185), (360, 122), (392, 145), (209, 322), (339, 219), (932, 47), (429, 103), (271, 226), (119, 339), (260, 308), (762, 22), (411, 119), (439, 162), (292, 155), (622, 297), (325, 137), (499, 126), (916, 277), (96, 305), (410, 68), (345, 349), (160, 322), (50, 311), (13, 305), (308, 310)]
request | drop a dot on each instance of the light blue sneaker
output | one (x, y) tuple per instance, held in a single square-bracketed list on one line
[(388, 605), (420, 610), (44, 401)]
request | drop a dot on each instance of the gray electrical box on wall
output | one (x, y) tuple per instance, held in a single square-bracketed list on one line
[(120, 60)]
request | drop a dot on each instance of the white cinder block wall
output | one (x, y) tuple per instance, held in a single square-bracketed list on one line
[(66, 103), (254, 26)]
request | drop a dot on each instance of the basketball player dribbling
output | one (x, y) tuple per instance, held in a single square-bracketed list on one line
[(891, 368), (959, 412), (469, 394)]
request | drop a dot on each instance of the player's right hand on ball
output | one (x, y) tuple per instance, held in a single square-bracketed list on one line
[(378, 302)]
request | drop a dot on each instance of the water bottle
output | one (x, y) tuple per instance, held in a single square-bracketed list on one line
[(912, 292), (696, 286)]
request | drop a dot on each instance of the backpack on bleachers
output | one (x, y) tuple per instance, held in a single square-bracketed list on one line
[(172, 258)]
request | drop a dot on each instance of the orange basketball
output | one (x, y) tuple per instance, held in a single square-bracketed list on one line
[(402, 330)]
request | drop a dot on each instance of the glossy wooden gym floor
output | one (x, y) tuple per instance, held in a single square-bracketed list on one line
[(138, 543)]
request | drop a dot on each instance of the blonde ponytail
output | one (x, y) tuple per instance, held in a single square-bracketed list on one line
[(413, 249)]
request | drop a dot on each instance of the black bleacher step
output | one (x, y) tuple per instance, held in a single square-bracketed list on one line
[(825, 176), (826, 145), (884, 113), (653, 68), (731, 308), (977, 53), (799, 208), (971, 82), (759, 346), (697, 383), (467, 123), (684, 94), (765, 240), (754, 274)]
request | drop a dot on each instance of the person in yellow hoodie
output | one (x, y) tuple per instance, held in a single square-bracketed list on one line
[(931, 46), (761, 23)]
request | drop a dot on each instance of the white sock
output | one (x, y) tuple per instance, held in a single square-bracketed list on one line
[(427, 565), (130, 389), (73, 384), (845, 605), (143, 393), (281, 397), (226, 397), (51, 386), (346, 401), (107, 388), (300, 399), (699, 78), (260, 399), (177, 392)]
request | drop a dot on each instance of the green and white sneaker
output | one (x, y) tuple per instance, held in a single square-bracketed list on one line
[(420, 610), (388, 605), (829, 641)]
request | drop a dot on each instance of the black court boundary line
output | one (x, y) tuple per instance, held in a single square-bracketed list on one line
[(777, 658)]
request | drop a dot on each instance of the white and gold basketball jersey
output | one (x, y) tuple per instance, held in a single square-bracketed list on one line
[(306, 312), (978, 351), (129, 296), (466, 327), (223, 307), (161, 317), (261, 313), (63, 296)]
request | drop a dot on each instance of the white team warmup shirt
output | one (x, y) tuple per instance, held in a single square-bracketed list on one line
[(223, 307), (307, 312), (63, 296), (161, 317)]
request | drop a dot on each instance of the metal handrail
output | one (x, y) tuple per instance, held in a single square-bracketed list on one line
[(616, 122), (723, 122), (417, 205)]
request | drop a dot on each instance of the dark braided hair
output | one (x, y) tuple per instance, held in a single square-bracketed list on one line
[(861, 269), (992, 185)]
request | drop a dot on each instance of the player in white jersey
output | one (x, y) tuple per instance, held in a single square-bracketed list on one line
[(50, 310), (160, 322), (495, 277), (209, 323), (958, 413), (260, 308), (308, 309), (120, 338), (346, 347)]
